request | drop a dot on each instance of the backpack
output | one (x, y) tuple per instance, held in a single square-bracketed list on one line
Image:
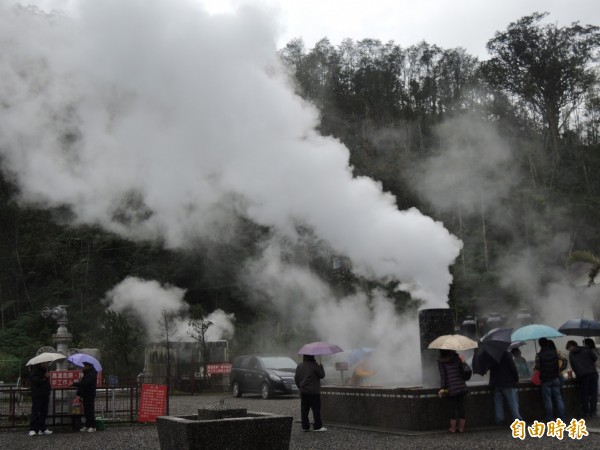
[(466, 371)]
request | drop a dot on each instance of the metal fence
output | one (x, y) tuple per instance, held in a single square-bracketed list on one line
[(113, 404)]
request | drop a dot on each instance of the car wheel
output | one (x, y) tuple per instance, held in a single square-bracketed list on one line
[(237, 392), (265, 391)]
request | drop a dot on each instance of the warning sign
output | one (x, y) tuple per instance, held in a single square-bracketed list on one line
[(152, 402), (65, 378), (223, 368)]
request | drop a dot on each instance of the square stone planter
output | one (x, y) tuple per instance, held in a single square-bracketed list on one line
[(222, 428)]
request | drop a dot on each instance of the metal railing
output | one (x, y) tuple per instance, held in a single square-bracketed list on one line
[(116, 404)]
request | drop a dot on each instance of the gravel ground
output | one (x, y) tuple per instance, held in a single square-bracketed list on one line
[(144, 436)]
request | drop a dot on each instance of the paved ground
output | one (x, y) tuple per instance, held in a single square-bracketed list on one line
[(134, 436)]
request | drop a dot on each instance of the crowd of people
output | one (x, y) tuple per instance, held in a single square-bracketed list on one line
[(548, 372), (549, 367)]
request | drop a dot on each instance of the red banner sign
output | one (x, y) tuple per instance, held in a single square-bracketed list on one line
[(222, 368), (153, 402), (60, 379)]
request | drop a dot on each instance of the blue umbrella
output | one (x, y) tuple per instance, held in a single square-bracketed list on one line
[(357, 354), (581, 327), (535, 331)]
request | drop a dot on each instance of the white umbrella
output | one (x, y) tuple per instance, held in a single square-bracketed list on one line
[(456, 342), (45, 357)]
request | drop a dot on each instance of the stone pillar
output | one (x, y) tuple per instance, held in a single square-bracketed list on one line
[(62, 339), (432, 324)]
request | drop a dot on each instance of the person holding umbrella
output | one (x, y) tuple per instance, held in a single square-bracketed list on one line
[(504, 378), (583, 363), (308, 378), (87, 392), (40, 398), (454, 387)]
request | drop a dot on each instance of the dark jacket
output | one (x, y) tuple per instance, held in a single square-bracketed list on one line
[(504, 374), (87, 384), (308, 376), (583, 361), (451, 375), (40, 384), (547, 363)]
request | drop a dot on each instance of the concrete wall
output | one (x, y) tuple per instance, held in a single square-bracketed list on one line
[(422, 409), (236, 431)]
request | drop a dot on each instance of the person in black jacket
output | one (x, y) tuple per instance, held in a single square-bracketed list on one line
[(87, 392), (504, 378), (40, 399), (583, 363), (454, 387), (548, 362), (308, 379)]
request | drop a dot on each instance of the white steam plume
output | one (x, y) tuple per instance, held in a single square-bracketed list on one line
[(149, 128), (147, 300), (153, 118), (475, 169)]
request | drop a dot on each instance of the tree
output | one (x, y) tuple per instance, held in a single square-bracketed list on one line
[(121, 345), (167, 327), (580, 256), (593, 261), (547, 67), (198, 329)]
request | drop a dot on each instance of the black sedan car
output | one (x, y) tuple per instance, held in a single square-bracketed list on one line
[(264, 375)]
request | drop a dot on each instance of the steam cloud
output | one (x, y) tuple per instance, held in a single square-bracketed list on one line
[(155, 119), (147, 300), (475, 176)]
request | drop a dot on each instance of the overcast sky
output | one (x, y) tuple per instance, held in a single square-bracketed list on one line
[(447, 23)]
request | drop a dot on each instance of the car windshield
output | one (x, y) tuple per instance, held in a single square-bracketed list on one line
[(279, 363)]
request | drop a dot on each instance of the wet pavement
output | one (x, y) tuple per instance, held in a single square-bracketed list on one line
[(145, 436)]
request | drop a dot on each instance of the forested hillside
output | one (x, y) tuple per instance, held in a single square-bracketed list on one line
[(508, 147), (505, 152)]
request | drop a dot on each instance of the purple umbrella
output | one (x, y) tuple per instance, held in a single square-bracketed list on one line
[(319, 348), (79, 358)]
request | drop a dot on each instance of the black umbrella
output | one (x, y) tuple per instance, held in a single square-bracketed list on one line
[(581, 327), (496, 342), (480, 362), (491, 348)]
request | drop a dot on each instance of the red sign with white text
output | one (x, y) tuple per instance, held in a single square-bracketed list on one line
[(222, 368), (153, 402), (60, 379)]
